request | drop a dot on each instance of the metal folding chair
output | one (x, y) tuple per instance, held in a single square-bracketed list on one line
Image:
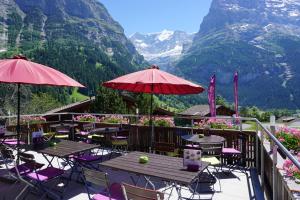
[(137, 193), (98, 182)]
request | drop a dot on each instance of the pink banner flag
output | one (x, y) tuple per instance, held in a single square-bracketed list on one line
[(236, 97), (212, 96)]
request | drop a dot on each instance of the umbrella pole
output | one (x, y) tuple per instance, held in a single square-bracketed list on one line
[(18, 124), (151, 123)]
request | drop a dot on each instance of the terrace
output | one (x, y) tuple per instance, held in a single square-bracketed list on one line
[(259, 173)]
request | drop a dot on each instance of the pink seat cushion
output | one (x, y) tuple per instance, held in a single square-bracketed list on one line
[(102, 197), (83, 133), (45, 174), (87, 158), (192, 145), (26, 168), (13, 142), (230, 151), (116, 191)]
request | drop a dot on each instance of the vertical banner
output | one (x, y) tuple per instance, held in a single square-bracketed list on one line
[(212, 96), (236, 97)]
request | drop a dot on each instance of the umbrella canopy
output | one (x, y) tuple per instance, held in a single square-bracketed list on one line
[(20, 70), (154, 81)]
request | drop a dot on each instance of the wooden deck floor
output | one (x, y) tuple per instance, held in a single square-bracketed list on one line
[(234, 186)]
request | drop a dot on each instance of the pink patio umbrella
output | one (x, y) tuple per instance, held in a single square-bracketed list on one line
[(154, 81), (19, 70)]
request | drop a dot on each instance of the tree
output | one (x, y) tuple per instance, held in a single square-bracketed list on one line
[(143, 102), (41, 103), (108, 101), (221, 101)]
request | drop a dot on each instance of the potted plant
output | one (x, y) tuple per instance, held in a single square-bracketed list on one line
[(87, 118), (291, 170), (290, 138)]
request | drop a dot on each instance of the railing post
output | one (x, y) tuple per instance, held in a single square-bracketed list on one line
[(72, 129), (274, 166), (192, 121), (256, 149), (241, 124), (262, 162)]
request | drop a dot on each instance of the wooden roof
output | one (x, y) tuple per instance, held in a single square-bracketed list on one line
[(203, 110)]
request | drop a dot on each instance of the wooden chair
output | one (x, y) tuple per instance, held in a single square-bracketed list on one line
[(100, 180), (131, 192), (212, 153), (166, 149), (84, 134), (62, 132)]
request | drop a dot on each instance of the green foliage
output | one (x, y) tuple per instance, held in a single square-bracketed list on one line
[(221, 101), (263, 116), (41, 103), (143, 102), (108, 101), (291, 142), (14, 23), (77, 96)]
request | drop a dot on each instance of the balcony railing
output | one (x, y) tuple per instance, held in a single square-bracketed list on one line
[(260, 147)]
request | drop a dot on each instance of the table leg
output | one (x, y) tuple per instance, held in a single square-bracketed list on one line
[(135, 182), (148, 181), (49, 161)]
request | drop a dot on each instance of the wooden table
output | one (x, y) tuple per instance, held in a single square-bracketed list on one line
[(203, 140), (108, 130), (7, 135), (167, 168), (65, 148), (71, 125)]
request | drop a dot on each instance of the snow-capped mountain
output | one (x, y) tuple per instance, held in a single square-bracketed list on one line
[(162, 48), (258, 38)]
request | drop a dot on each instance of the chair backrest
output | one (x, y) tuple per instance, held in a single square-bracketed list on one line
[(136, 193), (6, 153), (164, 147), (96, 177), (26, 157), (37, 138), (211, 149), (62, 129), (2, 126), (88, 127)]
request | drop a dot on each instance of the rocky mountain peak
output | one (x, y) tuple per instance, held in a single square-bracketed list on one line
[(162, 48)]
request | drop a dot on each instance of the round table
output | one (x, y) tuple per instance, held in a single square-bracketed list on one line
[(203, 140)]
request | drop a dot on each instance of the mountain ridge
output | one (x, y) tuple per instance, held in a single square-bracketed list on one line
[(255, 38)]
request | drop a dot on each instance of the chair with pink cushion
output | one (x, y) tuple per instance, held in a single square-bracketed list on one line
[(98, 182), (83, 135), (40, 178), (233, 155), (12, 142)]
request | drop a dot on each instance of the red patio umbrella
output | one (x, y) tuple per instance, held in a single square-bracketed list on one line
[(19, 70), (154, 81)]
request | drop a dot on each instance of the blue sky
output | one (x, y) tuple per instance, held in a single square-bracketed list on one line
[(147, 16)]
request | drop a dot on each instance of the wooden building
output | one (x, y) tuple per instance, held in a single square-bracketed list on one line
[(203, 111)]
